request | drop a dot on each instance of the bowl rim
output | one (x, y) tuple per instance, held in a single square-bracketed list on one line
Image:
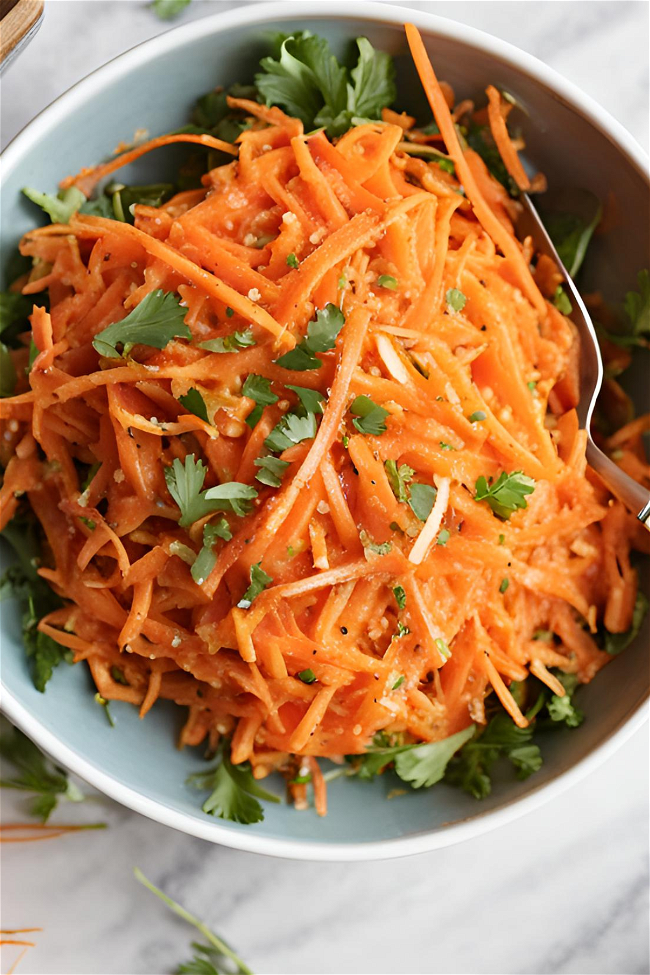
[(45, 121)]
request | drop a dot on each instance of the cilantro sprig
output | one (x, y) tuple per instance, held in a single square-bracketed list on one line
[(233, 791), (155, 322), (185, 484), (419, 765), (321, 337), (258, 388), (206, 956), (307, 81), (506, 494), (34, 773), (35, 598), (501, 738)]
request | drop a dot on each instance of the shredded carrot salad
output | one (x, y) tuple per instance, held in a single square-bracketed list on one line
[(411, 502)]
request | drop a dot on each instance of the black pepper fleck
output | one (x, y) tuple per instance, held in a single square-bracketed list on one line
[(344, 630)]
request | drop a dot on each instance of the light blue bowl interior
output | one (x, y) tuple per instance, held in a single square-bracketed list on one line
[(159, 94)]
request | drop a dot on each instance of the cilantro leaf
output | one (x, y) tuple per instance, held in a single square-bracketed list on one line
[(216, 950), (571, 236), (506, 494), (400, 596), (307, 676), (60, 207), (35, 597), (258, 388), (155, 321), (292, 261), (234, 791), (230, 343), (422, 499), (122, 199), (368, 416), (168, 9), (425, 764), (381, 548), (206, 559), (419, 765), (637, 306), (259, 581), (561, 301), (185, 483), (562, 709), (398, 478), (194, 403), (310, 399), (272, 470), (35, 773), (321, 337), (455, 299), (307, 81), (232, 496), (14, 311), (387, 281), (615, 643), (292, 429), (470, 769), (7, 372)]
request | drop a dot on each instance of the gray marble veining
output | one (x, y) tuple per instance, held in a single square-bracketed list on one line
[(563, 890)]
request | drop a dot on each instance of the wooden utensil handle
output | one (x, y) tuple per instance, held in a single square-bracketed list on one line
[(17, 18)]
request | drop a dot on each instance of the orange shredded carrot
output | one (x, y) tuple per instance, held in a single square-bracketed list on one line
[(358, 232)]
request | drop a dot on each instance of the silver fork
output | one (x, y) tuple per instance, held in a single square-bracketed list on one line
[(633, 495)]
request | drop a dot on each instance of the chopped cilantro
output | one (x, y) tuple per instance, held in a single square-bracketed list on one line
[(230, 343), (561, 301), (271, 471), (258, 388), (307, 676), (446, 446), (455, 299), (259, 581), (194, 403), (398, 478), (387, 281), (321, 337), (478, 416), (398, 683), (310, 399), (292, 429), (368, 416), (206, 560), (293, 261), (421, 500), (400, 596), (504, 584), (155, 322), (443, 537), (369, 545), (506, 494)]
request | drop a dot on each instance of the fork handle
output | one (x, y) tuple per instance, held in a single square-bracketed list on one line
[(630, 492)]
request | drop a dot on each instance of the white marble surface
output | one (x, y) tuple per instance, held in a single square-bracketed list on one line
[(564, 890)]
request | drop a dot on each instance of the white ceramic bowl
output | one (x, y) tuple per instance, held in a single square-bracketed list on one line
[(572, 140)]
